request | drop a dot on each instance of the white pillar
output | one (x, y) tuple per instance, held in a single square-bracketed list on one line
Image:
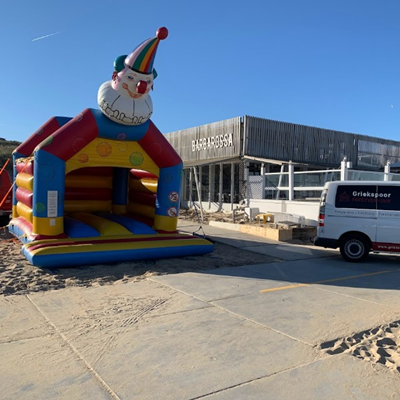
[(232, 184), (198, 194), (246, 178), (278, 191), (221, 181), (291, 181), (263, 180), (387, 171), (211, 182), (190, 188), (200, 184), (344, 172)]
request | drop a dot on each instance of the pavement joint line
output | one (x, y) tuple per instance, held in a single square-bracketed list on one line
[(212, 304), (102, 382), (343, 278), (250, 381), (262, 325)]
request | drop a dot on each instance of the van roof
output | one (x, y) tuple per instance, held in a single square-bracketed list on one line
[(380, 183)]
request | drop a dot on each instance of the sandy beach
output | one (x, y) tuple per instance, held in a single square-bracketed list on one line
[(18, 276), (378, 346)]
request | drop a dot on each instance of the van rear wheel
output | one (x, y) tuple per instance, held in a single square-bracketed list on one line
[(354, 247)]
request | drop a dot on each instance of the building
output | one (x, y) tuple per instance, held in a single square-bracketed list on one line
[(244, 158)]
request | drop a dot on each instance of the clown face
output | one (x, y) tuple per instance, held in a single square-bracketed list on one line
[(125, 99), (132, 84)]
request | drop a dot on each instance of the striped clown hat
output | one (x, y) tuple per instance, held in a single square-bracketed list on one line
[(142, 58)]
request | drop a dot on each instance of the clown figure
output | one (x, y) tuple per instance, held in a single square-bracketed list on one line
[(125, 99)]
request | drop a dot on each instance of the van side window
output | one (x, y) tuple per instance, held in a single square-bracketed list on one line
[(356, 196), (388, 198)]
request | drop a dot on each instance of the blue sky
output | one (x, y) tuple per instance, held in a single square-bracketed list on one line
[(330, 64)]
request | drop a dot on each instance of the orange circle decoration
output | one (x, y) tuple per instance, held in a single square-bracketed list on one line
[(83, 158), (104, 149), (136, 158), (122, 147)]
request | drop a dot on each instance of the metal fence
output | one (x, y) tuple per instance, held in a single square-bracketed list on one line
[(223, 186), (305, 185), (308, 185)]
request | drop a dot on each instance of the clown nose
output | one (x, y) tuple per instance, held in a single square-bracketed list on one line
[(141, 87)]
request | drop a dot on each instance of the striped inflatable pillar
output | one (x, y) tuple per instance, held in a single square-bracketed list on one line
[(16, 156), (169, 181), (48, 194), (120, 190), (24, 189), (168, 198), (27, 148)]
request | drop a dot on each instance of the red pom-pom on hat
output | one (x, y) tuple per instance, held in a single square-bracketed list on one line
[(162, 33)]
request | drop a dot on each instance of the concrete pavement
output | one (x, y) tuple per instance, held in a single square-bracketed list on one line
[(250, 332)]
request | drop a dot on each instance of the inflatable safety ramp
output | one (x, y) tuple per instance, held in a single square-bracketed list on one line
[(101, 250)]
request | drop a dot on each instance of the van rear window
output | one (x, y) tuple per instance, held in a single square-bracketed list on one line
[(389, 198), (368, 197)]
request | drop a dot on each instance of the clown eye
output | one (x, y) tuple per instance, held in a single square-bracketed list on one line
[(131, 78), (149, 81)]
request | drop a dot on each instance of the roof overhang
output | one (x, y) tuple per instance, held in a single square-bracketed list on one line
[(270, 161)]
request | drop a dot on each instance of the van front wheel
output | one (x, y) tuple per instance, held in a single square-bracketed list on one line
[(354, 248)]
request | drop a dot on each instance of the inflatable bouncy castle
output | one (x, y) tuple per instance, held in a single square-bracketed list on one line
[(102, 187)]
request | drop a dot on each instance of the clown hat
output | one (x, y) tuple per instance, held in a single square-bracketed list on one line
[(142, 58)]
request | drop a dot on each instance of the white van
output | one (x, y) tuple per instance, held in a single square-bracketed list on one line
[(359, 217)]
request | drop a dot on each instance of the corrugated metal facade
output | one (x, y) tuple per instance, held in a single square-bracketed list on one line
[(298, 143), (265, 139)]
